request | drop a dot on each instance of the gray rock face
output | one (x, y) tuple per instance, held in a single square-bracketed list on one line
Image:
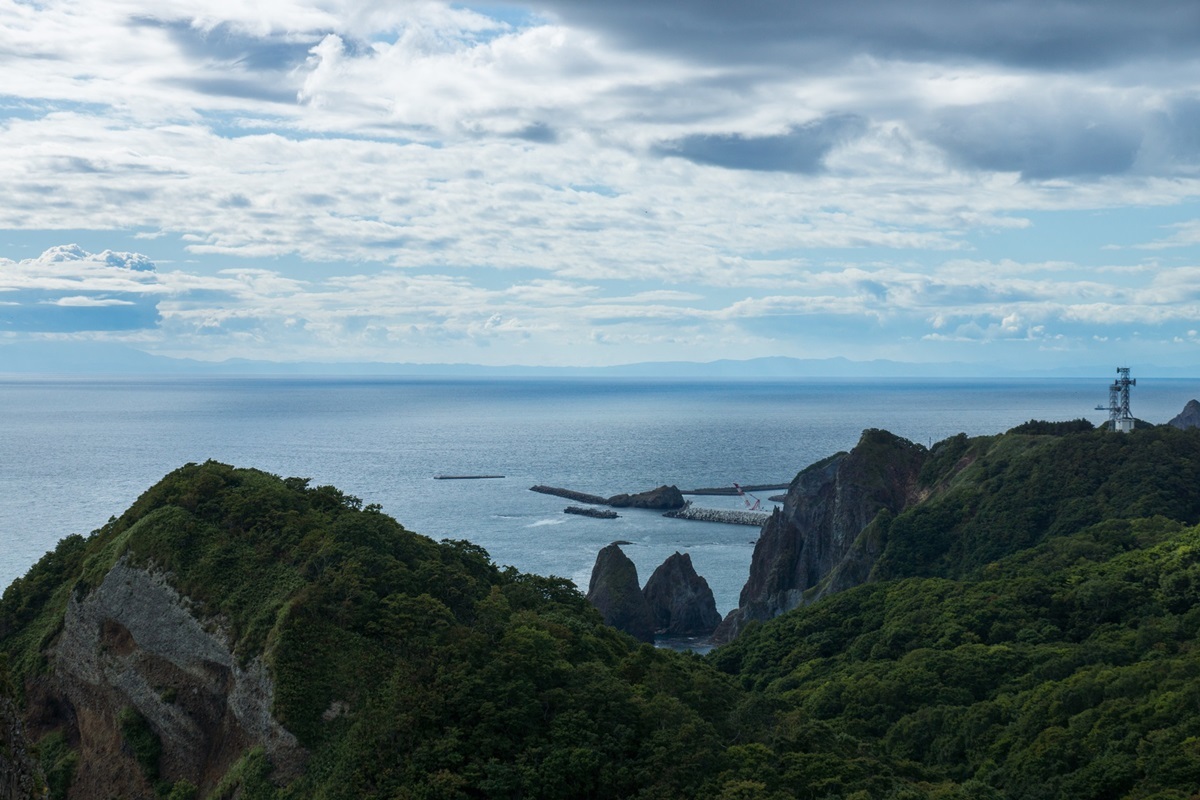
[(814, 545), (680, 601), (664, 498), (1189, 417), (615, 591), (133, 642), (20, 777)]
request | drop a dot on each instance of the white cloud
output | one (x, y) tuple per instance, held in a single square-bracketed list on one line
[(466, 179), (81, 301), (1186, 234)]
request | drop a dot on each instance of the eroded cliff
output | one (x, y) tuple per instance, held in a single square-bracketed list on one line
[(20, 776), (132, 655)]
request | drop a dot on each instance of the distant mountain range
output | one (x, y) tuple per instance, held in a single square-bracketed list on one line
[(97, 358)]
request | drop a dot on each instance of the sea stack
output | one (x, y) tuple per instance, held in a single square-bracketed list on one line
[(615, 591), (680, 601)]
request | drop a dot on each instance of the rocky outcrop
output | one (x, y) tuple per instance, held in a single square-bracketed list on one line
[(132, 647), (818, 543), (664, 498), (680, 601), (614, 590), (1189, 417), (20, 776)]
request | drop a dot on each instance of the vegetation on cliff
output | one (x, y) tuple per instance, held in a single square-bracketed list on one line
[(1030, 630), (405, 666), (1068, 670)]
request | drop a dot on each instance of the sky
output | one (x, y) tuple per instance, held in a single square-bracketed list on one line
[(561, 182)]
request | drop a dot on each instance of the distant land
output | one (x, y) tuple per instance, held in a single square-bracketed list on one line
[(98, 359)]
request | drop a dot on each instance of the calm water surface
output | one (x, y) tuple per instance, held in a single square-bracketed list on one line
[(75, 452)]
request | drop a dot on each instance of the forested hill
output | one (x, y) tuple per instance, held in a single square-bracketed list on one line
[(992, 496), (1030, 631)]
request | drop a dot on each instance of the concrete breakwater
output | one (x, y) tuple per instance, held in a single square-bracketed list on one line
[(663, 498), (591, 512), (578, 497), (728, 517), (465, 477), (729, 491)]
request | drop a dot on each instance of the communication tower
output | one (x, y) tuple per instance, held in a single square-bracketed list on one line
[(1119, 414)]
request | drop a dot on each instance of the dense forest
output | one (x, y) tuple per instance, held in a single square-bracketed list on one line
[(1030, 631)]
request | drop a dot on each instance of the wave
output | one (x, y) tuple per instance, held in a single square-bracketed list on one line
[(550, 521)]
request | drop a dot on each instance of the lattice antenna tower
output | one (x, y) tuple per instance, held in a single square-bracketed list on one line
[(1119, 415)]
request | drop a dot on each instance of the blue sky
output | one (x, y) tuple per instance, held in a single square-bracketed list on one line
[(578, 183)]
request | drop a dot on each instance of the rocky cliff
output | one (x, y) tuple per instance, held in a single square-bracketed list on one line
[(133, 656), (680, 601), (615, 592), (815, 544), (1189, 417), (20, 775)]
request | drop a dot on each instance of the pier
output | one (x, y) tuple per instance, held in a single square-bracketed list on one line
[(728, 491), (465, 477), (596, 513), (578, 497)]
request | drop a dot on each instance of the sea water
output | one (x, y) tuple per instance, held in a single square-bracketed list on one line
[(75, 452)]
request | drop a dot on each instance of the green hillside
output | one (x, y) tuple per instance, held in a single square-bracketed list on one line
[(1031, 632), (455, 678)]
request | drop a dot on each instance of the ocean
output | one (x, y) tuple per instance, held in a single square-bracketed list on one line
[(77, 451)]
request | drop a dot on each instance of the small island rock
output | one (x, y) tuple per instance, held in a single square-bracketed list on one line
[(614, 590), (680, 601)]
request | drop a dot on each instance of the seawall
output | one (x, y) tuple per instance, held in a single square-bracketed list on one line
[(754, 518), (578, 497)]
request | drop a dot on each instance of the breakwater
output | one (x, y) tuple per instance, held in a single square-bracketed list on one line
[(465, 477), (578, 497), (754, 518), (591, 512), (729, 491)]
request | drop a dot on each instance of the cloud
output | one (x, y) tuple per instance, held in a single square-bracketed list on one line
[(234, 43), (801, 148), (83, 301), (373, 177), (1185, 234), (1040, 139), (1076, 34)]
